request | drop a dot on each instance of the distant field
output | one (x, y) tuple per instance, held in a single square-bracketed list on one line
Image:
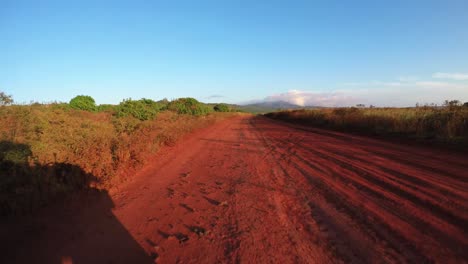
[(447, 125)]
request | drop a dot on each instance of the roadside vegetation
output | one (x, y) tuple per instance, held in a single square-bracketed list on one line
[(447, 124), (48, 151)]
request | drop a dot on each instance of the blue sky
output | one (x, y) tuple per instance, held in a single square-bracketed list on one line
[(306, 52)]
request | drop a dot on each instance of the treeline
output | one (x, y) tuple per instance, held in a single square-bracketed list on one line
[(146, 109), (446, 124), (48, 151)]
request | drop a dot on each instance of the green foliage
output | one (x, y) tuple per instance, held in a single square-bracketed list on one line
[(107, 108), (188, 106), (222, 108), (143, 109), (58, 106), (5, 99), (163, 102), (83, 102)]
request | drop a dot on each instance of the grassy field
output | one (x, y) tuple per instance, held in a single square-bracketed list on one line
[(48, 151), (446, 125)]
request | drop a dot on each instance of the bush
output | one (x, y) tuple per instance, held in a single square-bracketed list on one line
[(5, 99), (107, 108), (83, 102), (222, 108), (188, 106), (57, 106), (16, 153), (143, 109), (25, 186), (47, 151)]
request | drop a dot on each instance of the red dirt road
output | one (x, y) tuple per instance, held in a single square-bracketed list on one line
[(253, 190)]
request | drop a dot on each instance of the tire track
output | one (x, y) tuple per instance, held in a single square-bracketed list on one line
[(408, 215)]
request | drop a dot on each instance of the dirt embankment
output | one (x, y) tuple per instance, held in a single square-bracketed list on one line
[(254, 190)]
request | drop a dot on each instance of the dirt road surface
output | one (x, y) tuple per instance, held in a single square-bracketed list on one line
[(253, 190)]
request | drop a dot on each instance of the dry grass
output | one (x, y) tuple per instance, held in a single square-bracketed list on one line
[(47, 150), (446, 125)]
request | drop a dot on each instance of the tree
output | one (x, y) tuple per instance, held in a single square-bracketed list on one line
[(83, 102), (452, 103), (188, 106), (221, 108), (5, 99), (143, 109)]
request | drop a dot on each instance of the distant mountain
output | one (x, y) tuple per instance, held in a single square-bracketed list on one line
[(267, 106)]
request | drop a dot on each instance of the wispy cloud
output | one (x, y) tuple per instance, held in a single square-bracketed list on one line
[(451, 76), (396, 84), (447, 85), (403, 91), (374, 83), (215, 96), (378, 93), (408, 78)]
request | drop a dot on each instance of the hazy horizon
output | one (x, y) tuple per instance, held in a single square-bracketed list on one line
[(326, 53)]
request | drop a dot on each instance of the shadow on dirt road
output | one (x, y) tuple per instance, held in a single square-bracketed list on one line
[(79, 228)]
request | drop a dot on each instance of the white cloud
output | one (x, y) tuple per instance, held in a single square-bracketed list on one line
[(313, 98), (215, 96), (451, 76), (404, 91), (379, 94), (374, 83), (439, 84), (408, 78), (411, 93), (390, 84)]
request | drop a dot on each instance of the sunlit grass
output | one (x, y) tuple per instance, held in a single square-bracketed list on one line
[(443, 124), (47, 150)]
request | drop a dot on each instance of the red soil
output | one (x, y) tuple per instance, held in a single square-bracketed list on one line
[(253, 190)]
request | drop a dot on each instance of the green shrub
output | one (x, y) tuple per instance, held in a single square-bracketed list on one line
[(143, 109), (107, 108), (57, 106), (83, 102), (222, 108), (188, 106)]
